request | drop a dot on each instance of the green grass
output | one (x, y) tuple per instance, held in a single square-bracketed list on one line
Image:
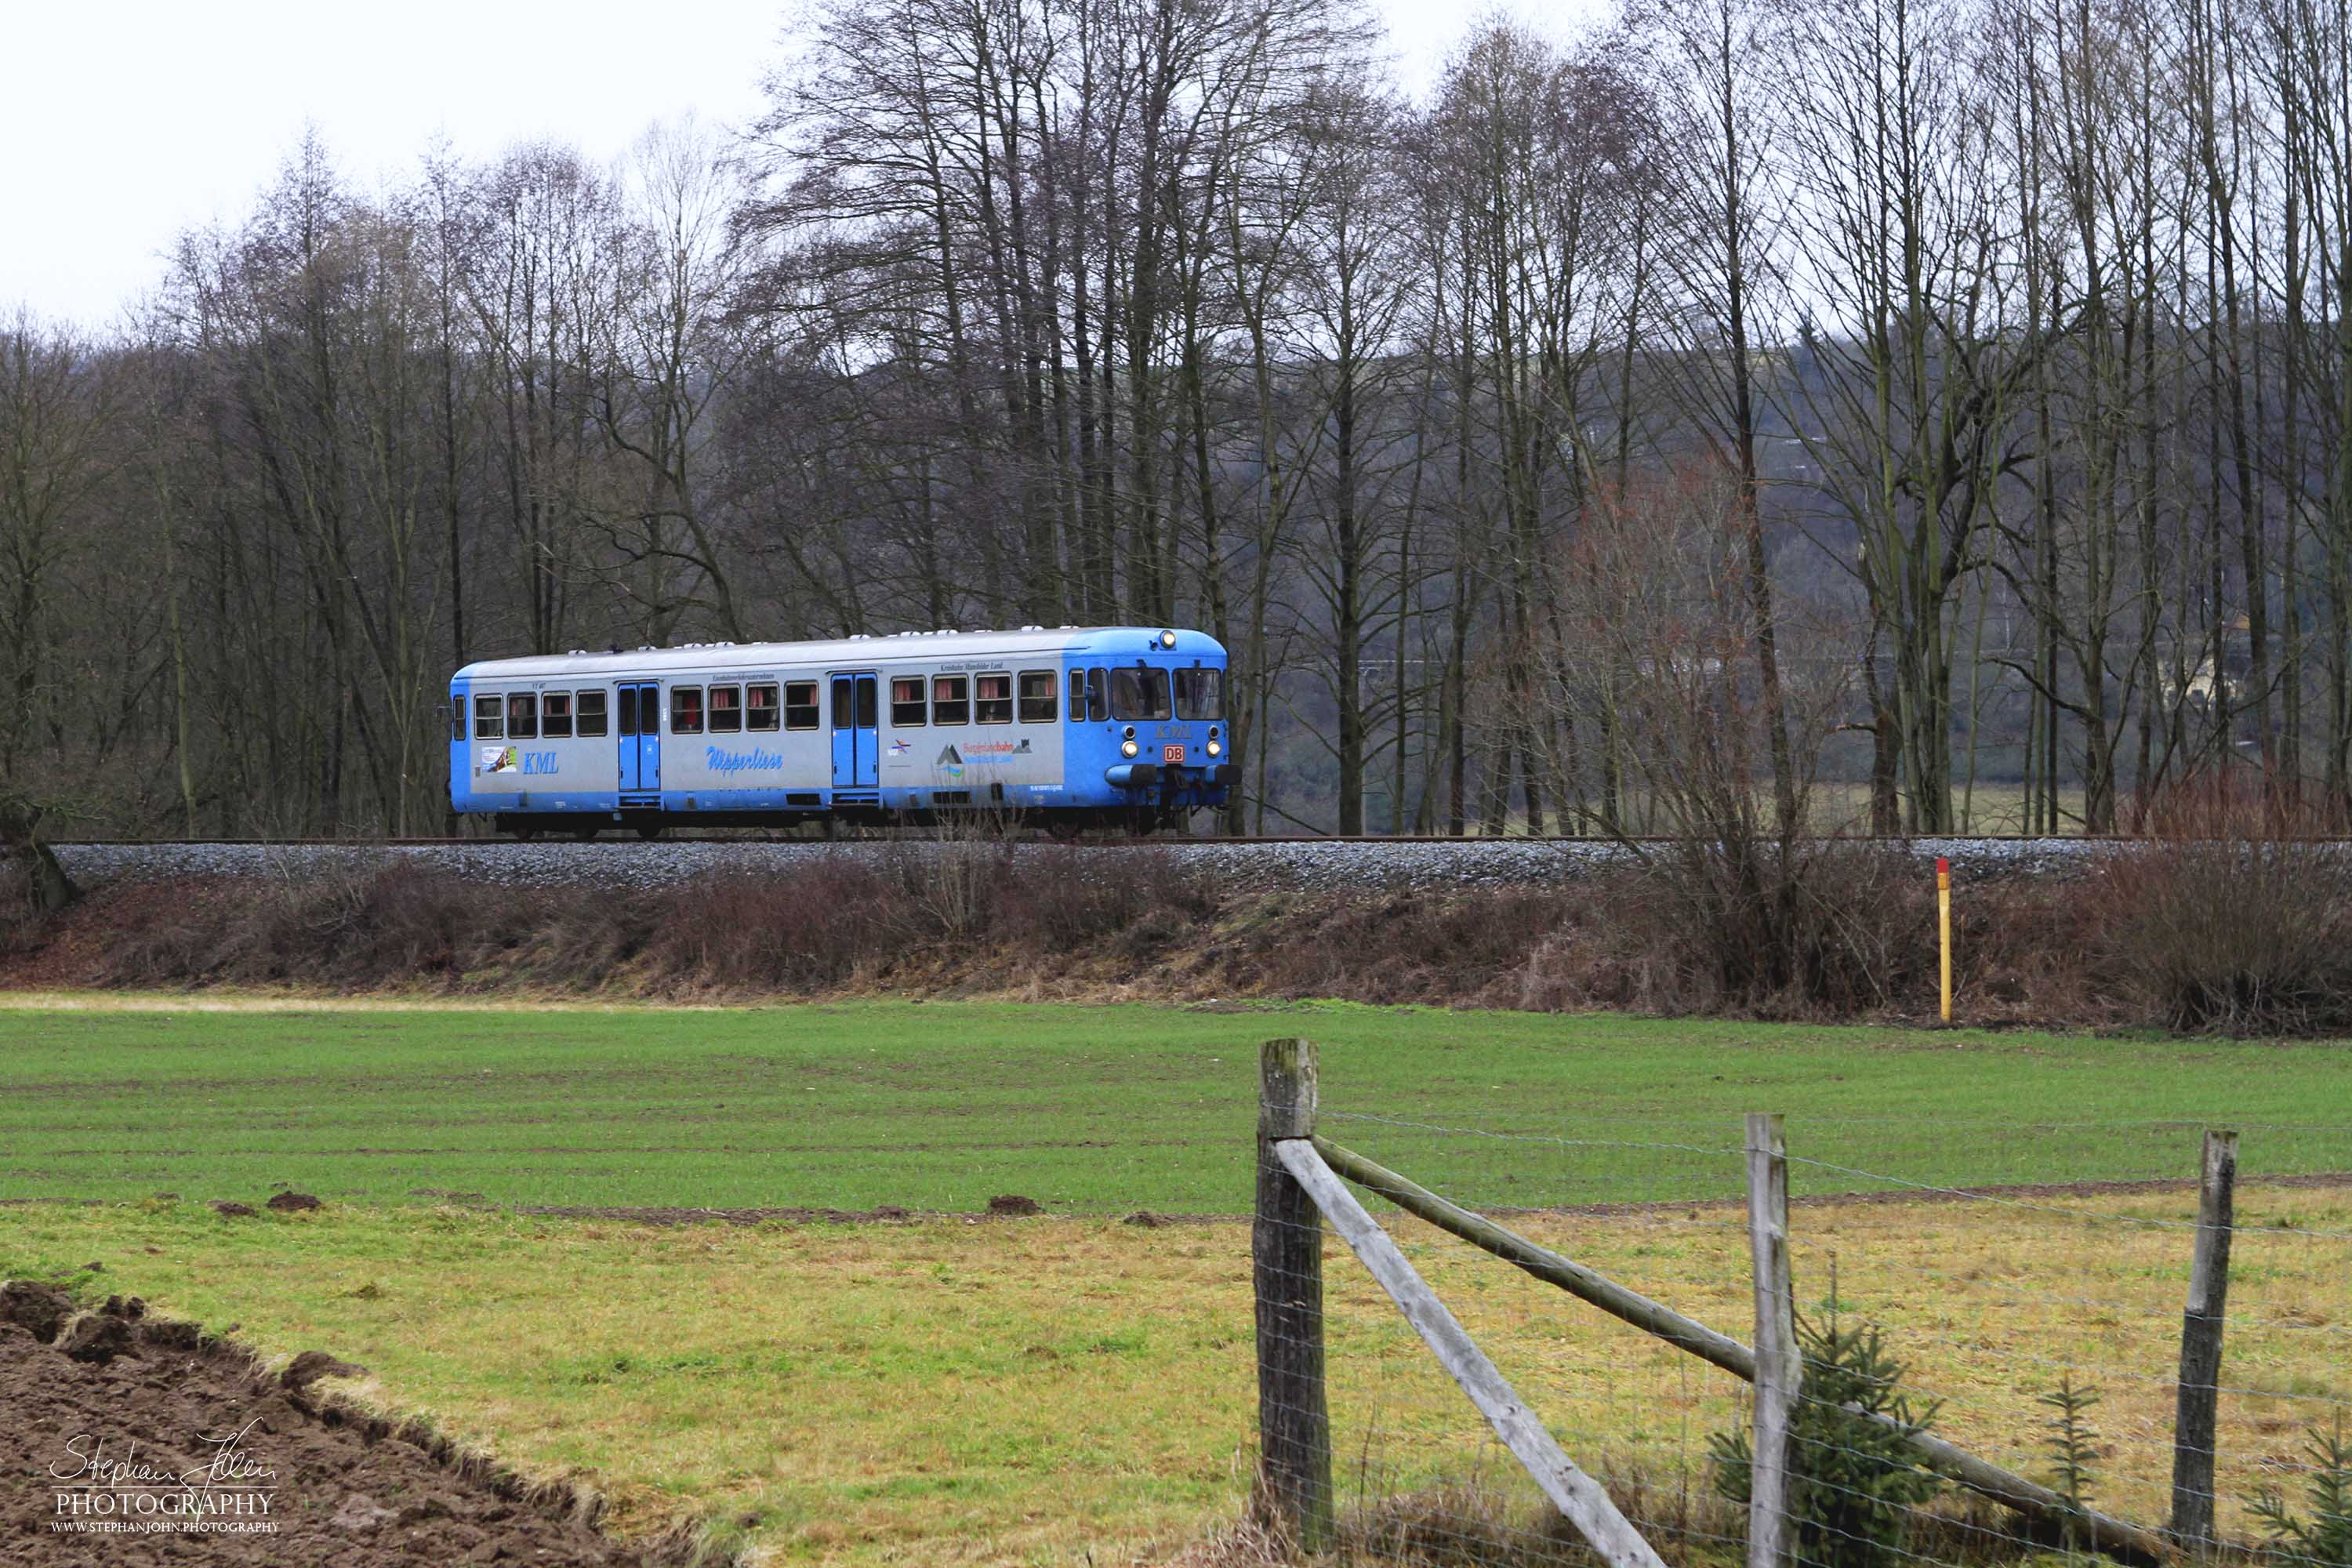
[(939, 1106), (1058, 1389)]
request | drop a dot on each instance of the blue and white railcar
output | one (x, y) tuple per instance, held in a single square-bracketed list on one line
[(1073, 727)]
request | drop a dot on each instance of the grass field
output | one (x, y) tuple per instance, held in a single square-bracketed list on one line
[(1076, 1388), (939, 1106), (1067, 1390)]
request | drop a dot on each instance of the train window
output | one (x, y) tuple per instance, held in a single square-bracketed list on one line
[(865, 702), (592, 715), (1097, 695), (951, 700), (522, 716), (759, 707), (648, 710), (799, 705), (685, 710), (1199, 693), (1037, 702), (844, 702), (628, 712), (907, 705), (991, 698), (555, 716), (457, 721), (1138, 695), (1078, 695), (489, 718), (726, 709)]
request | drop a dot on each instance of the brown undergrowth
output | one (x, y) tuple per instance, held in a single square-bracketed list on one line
[(2231, 936)]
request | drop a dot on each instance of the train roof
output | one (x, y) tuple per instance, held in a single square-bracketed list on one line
[(853, 652)]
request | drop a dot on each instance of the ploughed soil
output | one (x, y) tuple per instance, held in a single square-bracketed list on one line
[(158, 1444)]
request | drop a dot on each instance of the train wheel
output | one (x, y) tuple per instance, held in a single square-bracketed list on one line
[(583, 834), (1063, 830), (649, 830)]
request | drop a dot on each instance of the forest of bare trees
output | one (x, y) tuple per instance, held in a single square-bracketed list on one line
[(1960, 391)]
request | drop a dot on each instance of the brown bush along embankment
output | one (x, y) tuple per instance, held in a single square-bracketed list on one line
[(2239, 938)]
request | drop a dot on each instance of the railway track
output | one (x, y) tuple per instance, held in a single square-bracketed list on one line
[(1294, 861)]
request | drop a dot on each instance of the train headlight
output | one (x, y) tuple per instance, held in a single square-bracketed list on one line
[(1167, 639), (1129, 748), (1215, 749)]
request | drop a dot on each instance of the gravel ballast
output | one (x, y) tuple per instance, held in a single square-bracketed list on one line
[(1307, 865)]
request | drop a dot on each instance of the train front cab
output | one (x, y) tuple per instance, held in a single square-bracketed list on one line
[(1148, 738)]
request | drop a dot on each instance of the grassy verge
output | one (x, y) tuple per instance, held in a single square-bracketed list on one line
[(1039, 1390), (941, 1105)]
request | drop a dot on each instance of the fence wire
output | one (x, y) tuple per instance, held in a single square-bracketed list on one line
[(1988, 1302)]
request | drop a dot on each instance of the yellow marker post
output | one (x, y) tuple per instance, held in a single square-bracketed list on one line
[(1944, 927)]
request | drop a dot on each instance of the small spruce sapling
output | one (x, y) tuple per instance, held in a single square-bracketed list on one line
[(2073, 1449), (2324, 1540), (1852, 1479)]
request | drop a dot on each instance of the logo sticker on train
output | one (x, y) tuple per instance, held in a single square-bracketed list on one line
[(759, 759), (508, 760), (1173, 753)]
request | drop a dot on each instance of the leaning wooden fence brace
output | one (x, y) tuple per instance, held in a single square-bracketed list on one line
[(1778, 1368), (2193, 1434), (2102, 1533), (1577, 1495)]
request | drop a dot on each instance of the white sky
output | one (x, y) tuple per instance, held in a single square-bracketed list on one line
[(127, 121)]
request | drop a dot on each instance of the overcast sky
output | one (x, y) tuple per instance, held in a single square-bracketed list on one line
[(127, 121)]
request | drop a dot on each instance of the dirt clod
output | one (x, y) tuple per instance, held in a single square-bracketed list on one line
[(1015, 1204), (39, 1310), (228, 1210), (311, 1366), (291, 1203), (96, 1338), (1147, 1219)]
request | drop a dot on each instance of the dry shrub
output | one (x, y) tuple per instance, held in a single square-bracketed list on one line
[(2231, 935), (1396, 947), (2230, 802), (1745, 925), (825, 926), (393, 926), (24, 923), (2229, 916)]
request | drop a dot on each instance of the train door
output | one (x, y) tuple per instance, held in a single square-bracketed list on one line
[(857, 732), (637, 723)]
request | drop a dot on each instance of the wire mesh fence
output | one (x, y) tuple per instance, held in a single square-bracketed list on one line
[(1954, 1339)]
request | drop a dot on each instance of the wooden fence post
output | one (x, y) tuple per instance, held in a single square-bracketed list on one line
[(1294, 1424), (2201, 1345), (1778, 1368)]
